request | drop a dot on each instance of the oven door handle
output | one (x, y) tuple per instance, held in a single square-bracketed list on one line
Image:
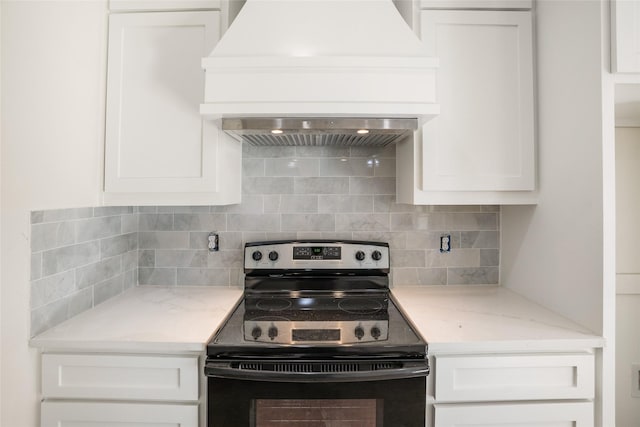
[(226, 370)]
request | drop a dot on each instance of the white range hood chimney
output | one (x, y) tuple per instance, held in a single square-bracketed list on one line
[(307, 62)]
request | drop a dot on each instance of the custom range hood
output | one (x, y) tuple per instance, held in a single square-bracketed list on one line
[(319, 72)]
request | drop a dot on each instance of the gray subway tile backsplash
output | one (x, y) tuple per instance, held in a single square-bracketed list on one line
[(472, 275), (321, 185), (267, 185), (79, 258), (52, 235), (118, 245), (372, 185), (291, 167), (161, 276), (84, 256), (97, 272), (163, 240), (180, 258), (67, 257), (108, 289)]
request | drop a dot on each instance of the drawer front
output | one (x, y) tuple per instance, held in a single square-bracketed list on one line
[(120, 377), (514, 377), (574, 414), (85, 414)]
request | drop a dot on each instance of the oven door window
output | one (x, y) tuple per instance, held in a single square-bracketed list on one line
[(321, 412), (246, 403)]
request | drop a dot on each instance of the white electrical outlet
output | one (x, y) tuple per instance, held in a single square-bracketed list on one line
[(445, 243), (635, 380), (212, 242)]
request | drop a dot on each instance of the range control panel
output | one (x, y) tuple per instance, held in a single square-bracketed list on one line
[(317, 252), (316, 255), (310, 332)]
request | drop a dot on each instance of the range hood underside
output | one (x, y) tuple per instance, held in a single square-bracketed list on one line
[(339, 131)]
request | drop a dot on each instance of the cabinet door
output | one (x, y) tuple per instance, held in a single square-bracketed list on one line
[(96, 414), (483, 139), (570, 414), (156, 139), (626, 36)]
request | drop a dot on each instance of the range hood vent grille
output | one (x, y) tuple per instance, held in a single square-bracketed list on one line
[(322, 140), (338, 132)]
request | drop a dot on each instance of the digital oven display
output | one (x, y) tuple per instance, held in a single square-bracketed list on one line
[(317, 252), (315, 335)]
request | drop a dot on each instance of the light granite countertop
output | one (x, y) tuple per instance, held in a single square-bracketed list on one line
[(489, 319), (146, 319), (451, 318)]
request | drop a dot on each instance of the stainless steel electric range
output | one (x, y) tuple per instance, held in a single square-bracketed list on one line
[(316, 340)]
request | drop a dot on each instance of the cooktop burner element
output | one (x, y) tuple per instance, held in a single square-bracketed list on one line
[(276, 304), (356, 306)]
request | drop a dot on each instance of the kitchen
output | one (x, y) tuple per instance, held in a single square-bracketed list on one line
[(567, 214)]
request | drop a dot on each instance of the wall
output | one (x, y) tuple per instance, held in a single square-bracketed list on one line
[(1, 259), (82, 256), (53, 57), (627, 274), (562, 250)]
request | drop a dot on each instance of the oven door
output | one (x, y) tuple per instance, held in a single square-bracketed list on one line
[(318, 393)]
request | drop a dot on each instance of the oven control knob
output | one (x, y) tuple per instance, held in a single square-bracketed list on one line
[(360, 256), (375, 332), (256, 332), (359, 332), (272, 332), (376, 255), (256, 255), (273, 256)]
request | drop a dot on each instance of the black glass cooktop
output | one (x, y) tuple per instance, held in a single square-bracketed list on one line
[(317, 307), (312, 324)]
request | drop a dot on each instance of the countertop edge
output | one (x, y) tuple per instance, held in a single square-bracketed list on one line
[(571, 345), (116, 347)]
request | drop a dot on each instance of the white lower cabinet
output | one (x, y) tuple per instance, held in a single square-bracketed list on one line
[(556, 414), (546, 390), (92, 414), (120, 390)]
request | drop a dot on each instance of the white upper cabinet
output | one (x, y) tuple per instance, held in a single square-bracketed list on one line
[(159, 150), (625, 36), (481, 148), (158, 5), (475, 4)]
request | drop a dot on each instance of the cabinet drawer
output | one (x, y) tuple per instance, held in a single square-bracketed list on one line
[(88, 414), (514, 377), (120, 377), (573, 414)]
